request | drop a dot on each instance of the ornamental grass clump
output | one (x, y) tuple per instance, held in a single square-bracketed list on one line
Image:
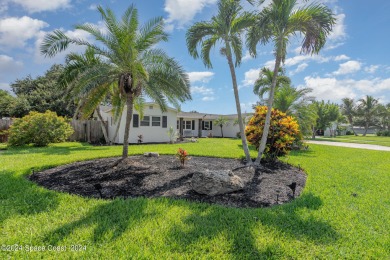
[(283, 131), (39, 129), (182, 155)]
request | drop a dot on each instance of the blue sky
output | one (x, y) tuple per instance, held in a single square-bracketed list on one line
[(355, 61)]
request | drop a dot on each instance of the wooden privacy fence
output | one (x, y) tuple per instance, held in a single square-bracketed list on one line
[(84, 130), (4, 125)]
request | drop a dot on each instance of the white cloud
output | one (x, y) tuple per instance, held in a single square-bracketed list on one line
[(338, 31), (333, 89), (183, 11), (201, 76), (208, 98), (34, 6), (93, 7), (250, 77), (371, 69), (247, 56), (300, 68), (9, 66), (348, 67), (202, 90), (341, 57), (15, 32)]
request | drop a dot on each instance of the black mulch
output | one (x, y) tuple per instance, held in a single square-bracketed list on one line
[(140, 176)]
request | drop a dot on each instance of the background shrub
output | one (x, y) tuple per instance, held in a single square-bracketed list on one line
[(39, 129), (282, 133), (383, 133), (349, 132)]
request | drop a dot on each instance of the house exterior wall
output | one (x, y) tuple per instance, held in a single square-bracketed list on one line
[(150, 133)]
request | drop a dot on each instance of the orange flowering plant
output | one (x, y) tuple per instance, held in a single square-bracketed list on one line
[(182, 155), (282, 133)]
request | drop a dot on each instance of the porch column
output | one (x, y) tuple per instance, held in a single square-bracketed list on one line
[(200, 128), (181, 128)]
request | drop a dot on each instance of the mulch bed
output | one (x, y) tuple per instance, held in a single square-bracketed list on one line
[(140, 176)]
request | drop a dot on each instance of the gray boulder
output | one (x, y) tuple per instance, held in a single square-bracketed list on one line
[(216, 182), (151, 154)]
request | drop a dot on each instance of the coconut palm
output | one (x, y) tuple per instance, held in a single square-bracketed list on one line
[(226, 29), (264, 82), (348, 109), (221, 122), (368, 109), (277, 23), (132, 62)]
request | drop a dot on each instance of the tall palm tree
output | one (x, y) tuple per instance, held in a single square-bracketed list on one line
[(264, 82), (348, 109), (132, 62), (277, 23), (368, 109), (225, 28)]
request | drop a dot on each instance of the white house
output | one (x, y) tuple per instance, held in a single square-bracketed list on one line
[(155, 124)]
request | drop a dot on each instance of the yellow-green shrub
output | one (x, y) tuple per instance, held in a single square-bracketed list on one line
[(282, 133), (39, 129)]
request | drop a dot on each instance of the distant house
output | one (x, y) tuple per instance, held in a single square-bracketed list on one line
[(154, 124)]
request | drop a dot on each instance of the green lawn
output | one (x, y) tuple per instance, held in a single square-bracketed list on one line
[(370, 139), (344, 212)]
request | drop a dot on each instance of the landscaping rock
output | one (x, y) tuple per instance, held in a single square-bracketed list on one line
[(216, 182), (151, 154)]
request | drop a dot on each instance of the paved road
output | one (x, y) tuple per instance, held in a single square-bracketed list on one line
[(352, 145)]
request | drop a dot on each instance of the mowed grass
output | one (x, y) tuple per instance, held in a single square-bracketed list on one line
[(344, 212), (369, 139)]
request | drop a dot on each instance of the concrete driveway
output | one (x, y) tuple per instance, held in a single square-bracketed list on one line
[(352, 145)]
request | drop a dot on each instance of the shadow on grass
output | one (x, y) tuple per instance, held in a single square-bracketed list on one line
[(52, 150), (240, 225), (18, 196), (110, 220)]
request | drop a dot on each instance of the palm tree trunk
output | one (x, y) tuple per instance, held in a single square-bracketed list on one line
[(267, 124), (313, 136), (238, 106), (103, 125), (365, 129), (129, 115), (221, 131)]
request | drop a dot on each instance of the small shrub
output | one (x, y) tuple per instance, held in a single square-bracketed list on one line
[(39, 129), (140, 139), (182, 155), (282, 133), (349, 133), (383, 133), (238, 135)]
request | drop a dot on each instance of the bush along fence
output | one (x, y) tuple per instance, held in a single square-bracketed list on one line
[(84, 131)]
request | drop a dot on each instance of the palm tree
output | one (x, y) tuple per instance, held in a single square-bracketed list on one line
[(348, 109), (132, 62), (276, 23), (264, 82), (296, 102), (221, 121), (368, 109), (225, 28)]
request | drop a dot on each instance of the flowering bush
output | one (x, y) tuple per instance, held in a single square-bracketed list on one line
[(282, 133), (39, 129), (182, 155)]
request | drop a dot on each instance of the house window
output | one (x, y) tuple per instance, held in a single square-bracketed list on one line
[(145, 121), (207, 125), (187, 125), (156, 121)]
